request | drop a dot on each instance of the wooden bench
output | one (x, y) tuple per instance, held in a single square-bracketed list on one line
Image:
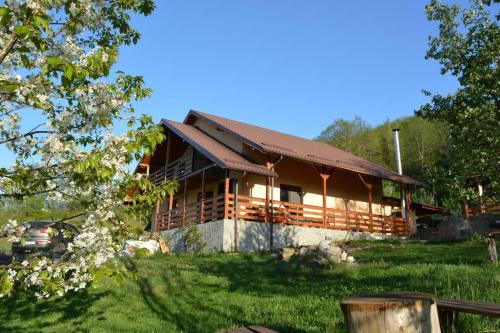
[(449, 309)]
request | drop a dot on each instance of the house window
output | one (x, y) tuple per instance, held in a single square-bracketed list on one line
[(289, 193)]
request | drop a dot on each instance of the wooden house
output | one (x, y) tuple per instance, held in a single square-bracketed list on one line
[(250, 187)]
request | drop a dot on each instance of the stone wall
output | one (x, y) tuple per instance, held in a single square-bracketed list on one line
[(212, 235), (219, 236)]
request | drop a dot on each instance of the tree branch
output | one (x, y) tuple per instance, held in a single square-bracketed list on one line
[(30, 133), (8, 46), (22, 195)]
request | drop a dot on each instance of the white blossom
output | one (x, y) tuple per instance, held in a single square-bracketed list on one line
[(77, 127)]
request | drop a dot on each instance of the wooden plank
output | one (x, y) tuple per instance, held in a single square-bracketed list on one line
[(226, 194), (483, 309)]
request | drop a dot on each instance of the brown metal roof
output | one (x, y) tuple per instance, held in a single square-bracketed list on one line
[(271, 141), (215, 151)]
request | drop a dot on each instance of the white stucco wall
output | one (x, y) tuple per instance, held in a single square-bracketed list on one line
[(219, 236)]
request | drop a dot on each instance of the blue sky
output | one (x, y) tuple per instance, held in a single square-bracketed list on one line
[(290, 65)]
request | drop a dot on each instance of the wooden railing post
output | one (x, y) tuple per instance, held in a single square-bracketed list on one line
[(269, 166), (202, 207), (155, 220), (184, 204), (226, 195), (170, 206)]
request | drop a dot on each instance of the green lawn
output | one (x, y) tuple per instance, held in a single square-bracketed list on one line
[(210, 292)]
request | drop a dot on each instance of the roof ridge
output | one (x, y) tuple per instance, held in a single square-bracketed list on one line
[(269, 140), (292, 135)]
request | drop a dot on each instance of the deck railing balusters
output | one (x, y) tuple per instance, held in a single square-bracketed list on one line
[(253, 209)]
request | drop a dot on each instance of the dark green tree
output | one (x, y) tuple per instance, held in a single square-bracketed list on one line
[(468, 47), (423, 149)]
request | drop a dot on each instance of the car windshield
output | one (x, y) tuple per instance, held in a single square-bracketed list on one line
[(36, 224)]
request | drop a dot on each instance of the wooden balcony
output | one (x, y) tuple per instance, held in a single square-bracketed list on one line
[(254, 209), (211, 209), (177, 169)]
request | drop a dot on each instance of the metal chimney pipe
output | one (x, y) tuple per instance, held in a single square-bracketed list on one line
[(397, 151), (397, 154)]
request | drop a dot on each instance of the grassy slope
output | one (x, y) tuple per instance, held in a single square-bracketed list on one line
[(211, 292)]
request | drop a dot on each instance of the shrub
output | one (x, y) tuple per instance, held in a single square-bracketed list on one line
[(193, 240)]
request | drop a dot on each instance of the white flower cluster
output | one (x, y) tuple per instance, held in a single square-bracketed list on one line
[(72, 155), (10, 227)]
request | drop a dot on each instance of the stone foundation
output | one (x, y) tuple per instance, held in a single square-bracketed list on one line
[(219, 236)]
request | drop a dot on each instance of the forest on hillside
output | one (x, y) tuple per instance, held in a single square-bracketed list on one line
[(424, 152)]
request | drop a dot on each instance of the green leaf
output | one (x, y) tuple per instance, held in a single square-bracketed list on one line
[(42, 22), (8, 86), (22, 31), (25, 60), (4, 16), (69, 70), (55, 61)]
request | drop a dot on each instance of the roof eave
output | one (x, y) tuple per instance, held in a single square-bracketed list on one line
[(219, 162)]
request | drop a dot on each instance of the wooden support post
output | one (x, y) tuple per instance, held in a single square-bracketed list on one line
[(369, 186), (170, 206), (226, 195), (346, 205), (202, 208), (325, 174), (184, 201), (269, 166), (155, 220), (236, 190), (266, 204), (324, 177), (448, 321)]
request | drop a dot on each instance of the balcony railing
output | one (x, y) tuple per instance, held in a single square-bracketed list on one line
[(254, 209), (211, 209), (176, 169)]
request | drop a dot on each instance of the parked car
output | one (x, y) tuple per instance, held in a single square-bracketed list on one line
[(43, 238)]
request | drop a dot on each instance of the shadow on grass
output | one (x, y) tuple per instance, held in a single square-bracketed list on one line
[(194, 310), (22, 313), (214, 292)]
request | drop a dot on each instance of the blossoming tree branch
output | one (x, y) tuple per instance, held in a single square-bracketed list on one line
[(55, 64)]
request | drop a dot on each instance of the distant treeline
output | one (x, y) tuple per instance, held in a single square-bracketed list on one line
[(38, 208), (424, 147)]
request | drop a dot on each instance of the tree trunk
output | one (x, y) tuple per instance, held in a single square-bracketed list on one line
[(388, 313)]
